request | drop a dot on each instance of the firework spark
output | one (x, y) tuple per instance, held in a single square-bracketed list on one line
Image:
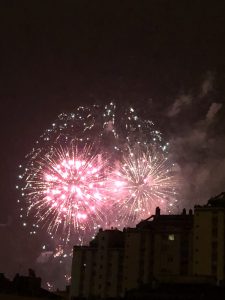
[(109, 128), (66, 189), (145, 180)]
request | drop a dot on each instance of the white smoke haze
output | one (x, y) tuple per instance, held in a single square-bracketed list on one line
[(213, 110), (199, 146), (207, 85), (44, 257), (179, 104)]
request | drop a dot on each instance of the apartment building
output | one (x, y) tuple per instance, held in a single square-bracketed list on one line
[(158, 247), (97, 268), (209, 239), (185, 248)]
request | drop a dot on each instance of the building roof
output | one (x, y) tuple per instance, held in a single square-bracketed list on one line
[(218, 201), (159, 220)]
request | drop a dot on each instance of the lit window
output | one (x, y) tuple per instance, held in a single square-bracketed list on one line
[(171, 237)]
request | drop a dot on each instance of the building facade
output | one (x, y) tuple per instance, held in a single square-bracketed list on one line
[(97, 268), (157, 248), (185, 248), (209, 239)]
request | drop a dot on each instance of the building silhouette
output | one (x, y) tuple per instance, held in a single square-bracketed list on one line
[(209, 239), (185, 249), (24, 287)]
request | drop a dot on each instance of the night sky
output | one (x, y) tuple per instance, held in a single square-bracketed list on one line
[(166, 58)]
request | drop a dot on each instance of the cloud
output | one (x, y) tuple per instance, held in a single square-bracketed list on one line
[(184, 101), (197, 143), (179, 104), (44, 257), (207, 85), (198, 150), (213, 110)]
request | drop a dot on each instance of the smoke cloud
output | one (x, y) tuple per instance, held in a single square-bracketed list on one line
[(198, 142), (179, 104), (207, 85), (213, 110)]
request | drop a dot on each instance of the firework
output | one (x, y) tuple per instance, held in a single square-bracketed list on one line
[(94, 167), (67, 185), (144, 180), (109, 128), (65, 189)]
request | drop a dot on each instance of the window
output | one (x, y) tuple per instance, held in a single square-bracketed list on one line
[(214, 256), (164, 236), (214, 221), (142, 248), (214, 232), (164, 247), (163, 270), (171, 237), (214, 245), (214, 269)]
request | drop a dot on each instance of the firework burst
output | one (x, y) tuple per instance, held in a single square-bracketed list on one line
[(67, 186), (66, 189), (109, 128), (144, 180), (71, 189)]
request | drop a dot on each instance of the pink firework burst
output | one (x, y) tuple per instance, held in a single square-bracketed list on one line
[(67, 189)]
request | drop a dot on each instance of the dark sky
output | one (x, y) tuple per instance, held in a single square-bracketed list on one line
[(167, 58)]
